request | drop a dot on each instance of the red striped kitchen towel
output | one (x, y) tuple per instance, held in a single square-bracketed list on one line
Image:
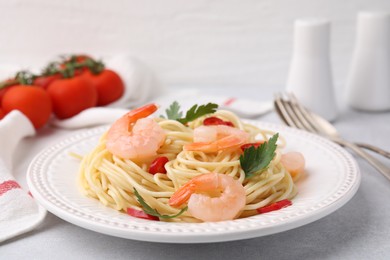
[(19, 212)]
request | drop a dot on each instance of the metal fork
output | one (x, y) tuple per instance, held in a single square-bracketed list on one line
[(295, 115), (325, 128)]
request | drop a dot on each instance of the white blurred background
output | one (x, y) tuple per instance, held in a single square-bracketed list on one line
[(218, 43)]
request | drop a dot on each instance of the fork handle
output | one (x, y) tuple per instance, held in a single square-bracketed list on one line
[(374, 149), (371, 160)]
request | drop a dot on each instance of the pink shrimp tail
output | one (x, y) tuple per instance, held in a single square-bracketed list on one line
[(203, 182), (182, 195), (141, 112)]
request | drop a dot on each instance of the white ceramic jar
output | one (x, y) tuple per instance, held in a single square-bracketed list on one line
[(310, 76), (368, 83)]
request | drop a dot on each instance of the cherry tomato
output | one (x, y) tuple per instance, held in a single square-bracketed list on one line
[(71, 96), (246, 146), (157, 166), (5, 89), (216, 121), (32, 101), (140, 214), (108, 84), (2, 113), (45, 81), (275, 206)]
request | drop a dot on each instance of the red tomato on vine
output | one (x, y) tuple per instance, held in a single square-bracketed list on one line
[(70, 96), (5, 86), (108, 84), (32, 101)]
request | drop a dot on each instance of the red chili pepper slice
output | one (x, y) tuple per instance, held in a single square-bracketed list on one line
[(246, 146), (140, 214), (157, 166), (216, 121), (275, 206)]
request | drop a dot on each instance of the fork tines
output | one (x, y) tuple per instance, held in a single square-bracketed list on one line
[(294, 114)]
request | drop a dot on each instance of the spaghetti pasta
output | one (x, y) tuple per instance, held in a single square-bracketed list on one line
[(112, 180)]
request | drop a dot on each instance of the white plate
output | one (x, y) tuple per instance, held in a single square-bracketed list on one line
[(332, 179)]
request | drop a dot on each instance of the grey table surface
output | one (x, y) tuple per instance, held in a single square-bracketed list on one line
[(358, 230)]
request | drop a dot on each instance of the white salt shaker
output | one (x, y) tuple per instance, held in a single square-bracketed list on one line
[(310, 76), (368, 83)]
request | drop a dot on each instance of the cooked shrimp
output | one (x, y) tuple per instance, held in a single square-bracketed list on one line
[(294, 162), (211, 197), (135, 137), (217, 137)]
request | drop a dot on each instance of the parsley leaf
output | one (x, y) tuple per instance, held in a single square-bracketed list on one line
[(255, 160), (151, 211), (198, 111), (173, 112)]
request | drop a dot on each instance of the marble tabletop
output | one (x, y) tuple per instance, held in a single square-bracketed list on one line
[(358, 230)]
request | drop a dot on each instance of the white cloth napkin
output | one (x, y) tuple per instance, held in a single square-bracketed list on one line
[(19, 212)]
